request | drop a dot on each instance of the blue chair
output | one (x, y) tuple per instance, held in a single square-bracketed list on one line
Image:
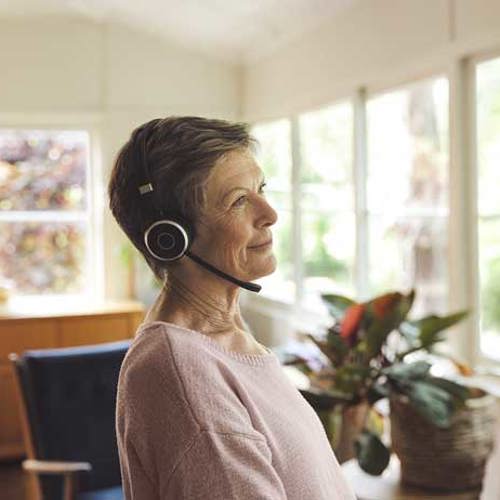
[(67, 401)]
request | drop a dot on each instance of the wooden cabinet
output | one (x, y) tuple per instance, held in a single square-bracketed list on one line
[(46, 324)]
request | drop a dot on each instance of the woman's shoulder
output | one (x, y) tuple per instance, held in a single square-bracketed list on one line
[(169, 356), (167, 364)]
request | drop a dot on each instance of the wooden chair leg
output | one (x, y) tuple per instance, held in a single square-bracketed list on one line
[(70, 486)]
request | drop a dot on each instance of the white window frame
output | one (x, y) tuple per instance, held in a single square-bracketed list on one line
[(463, 263), (90, 123), (469, 65)]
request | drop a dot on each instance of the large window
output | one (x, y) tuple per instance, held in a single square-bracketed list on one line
[(488, 149), (397, 204), (368, 209), (407, 192), (44, 211)]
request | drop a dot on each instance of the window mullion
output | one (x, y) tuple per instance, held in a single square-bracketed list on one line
[(462, 233), (361, 261), (44, 216), (296, 211)]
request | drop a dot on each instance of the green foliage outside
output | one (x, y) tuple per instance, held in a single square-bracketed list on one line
[(491, 296), (320, 262)]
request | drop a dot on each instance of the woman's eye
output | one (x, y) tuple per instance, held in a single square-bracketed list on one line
[(239, 201)]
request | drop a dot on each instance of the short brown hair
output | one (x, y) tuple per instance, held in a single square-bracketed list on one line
[(180, 151)]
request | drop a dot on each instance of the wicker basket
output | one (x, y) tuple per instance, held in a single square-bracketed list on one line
[(449, 459)]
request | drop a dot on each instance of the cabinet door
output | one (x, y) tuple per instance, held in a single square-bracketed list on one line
[(20, 335), (93, 329), (11, 439)]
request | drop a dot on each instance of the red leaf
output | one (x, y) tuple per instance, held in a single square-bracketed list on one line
[(386, 303), (351, 322)]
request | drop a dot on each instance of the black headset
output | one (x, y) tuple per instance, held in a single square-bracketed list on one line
[(170, 237)]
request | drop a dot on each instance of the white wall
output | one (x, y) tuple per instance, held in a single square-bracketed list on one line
[(68, 71), (375, 44)]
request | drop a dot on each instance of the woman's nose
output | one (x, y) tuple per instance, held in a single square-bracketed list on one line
[(267, 215)]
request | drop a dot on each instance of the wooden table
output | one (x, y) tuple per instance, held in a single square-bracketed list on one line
[(388, 487)]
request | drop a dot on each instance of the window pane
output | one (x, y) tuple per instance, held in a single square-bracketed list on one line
[(328, 254), (326, 158), (409, 252), (274, 156), (488, 126), (489, 242), (278, 200), (408, 149), (407, 190), (488, 148), (326, 197), (43, 258), (43, 169)]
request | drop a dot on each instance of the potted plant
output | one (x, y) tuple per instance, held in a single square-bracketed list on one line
[(369, 347)]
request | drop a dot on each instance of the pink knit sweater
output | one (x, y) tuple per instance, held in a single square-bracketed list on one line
[(196, 421)]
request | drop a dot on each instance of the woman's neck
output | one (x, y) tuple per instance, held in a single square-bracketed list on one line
[(203, 311)]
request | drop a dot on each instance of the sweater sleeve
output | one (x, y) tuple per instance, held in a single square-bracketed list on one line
[(224, 466), (137, 485)]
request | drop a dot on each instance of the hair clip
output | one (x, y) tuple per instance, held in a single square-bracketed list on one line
[(146, 188)]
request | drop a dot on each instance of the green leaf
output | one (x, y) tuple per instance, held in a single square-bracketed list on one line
[(376, 392), (373, 456), (338, 347), (433, 403), (337, 304), (460, 393), (404, 372), (380, 328), (429, 327), (323, 347), (350, 379)]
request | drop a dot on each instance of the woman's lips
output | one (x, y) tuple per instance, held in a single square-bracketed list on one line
[(264, 245)]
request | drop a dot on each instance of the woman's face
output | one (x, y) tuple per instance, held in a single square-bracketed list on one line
[(237, 219)]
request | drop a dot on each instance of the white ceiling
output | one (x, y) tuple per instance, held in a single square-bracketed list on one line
[(239, 31)]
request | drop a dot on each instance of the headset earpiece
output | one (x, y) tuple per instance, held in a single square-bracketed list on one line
[(168, 239)]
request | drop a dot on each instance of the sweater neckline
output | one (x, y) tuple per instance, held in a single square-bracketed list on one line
[(252, 359)]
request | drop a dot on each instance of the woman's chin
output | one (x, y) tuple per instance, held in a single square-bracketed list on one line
[(268, 267)]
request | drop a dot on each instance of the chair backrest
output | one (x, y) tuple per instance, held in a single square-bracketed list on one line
[(70, 396)]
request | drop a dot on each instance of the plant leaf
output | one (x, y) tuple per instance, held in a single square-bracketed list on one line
[(351, 378), (460, 393), (404, 372), (429, 327), (380, 328), (376, 392), (373, 456), (432, 402), (338, 347), (337, 304), (324, 347)]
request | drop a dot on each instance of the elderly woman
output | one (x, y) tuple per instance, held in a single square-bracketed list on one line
[(204, 411)]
